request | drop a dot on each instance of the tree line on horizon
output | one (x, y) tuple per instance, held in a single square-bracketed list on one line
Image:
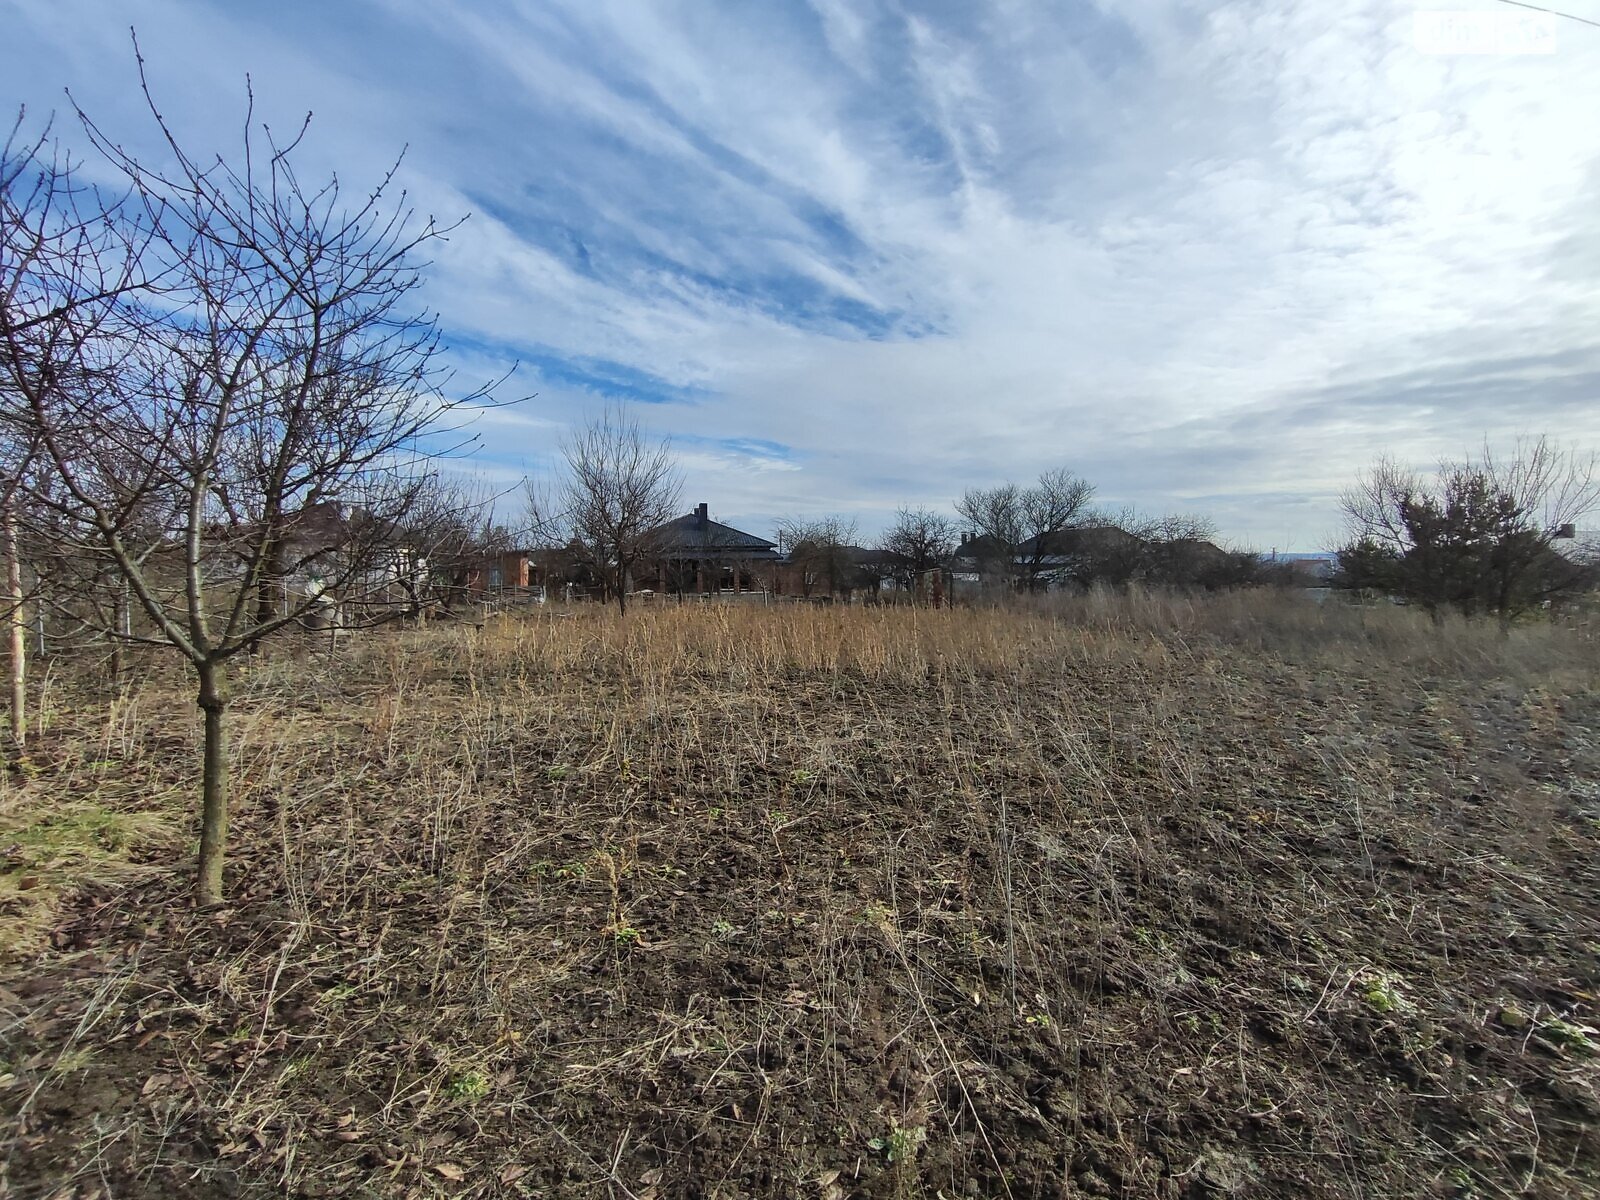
[(612, 505), (1483, 536)]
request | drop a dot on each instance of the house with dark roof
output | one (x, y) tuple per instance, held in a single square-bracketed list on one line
[(1052, 560), (694, 554), (980, 557), (1088, 554), (831, 573), (1080, 555)]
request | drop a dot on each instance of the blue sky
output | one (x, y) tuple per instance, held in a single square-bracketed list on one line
[(854, 254)]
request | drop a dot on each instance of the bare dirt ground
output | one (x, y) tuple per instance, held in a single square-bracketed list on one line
[(1143, 900)]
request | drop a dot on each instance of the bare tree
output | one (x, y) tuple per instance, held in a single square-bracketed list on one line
[(1480, 536), (918, 541), (1112, 548), (59, 257), (621, 487), (1179, 551), (448, 534), (228, 392), (821, 549), (994, 529), (15, 461), (1019, 526), (1552, 488)]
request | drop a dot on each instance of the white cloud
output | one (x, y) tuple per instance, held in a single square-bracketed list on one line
[(1210, 255)]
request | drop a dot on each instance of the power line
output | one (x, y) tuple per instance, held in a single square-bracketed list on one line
[(1552, 12)]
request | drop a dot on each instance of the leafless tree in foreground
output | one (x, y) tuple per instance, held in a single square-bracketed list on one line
[(620, 488), (228, 391)]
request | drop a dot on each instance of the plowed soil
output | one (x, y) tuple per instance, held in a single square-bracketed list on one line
[(828, 904)]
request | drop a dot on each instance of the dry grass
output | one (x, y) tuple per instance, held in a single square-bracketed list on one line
[(1146, 897)]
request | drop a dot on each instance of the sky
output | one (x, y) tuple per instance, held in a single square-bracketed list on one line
[(856, 254)]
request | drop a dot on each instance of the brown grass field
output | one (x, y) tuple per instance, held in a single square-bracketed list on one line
[(1133, 898)]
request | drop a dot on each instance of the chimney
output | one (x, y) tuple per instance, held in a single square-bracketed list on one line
[(702, 515)]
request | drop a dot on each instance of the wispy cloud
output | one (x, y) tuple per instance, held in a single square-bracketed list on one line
[(853, 255)]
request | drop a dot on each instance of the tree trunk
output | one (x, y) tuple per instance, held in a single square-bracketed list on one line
[(213, 702), (268, 584), (120, 618), (19, 632)]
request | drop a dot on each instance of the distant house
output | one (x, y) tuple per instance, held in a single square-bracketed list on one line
[(1081, 555), (304, 548), (1582, 548), (981, 559), (1185, 560), (832, 572), (553, 568), (873, 569), (1077, 555), (1093, 554), (507, 569), (694, 554)]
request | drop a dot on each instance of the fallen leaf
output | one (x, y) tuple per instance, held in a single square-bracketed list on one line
[(450, 1171)]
